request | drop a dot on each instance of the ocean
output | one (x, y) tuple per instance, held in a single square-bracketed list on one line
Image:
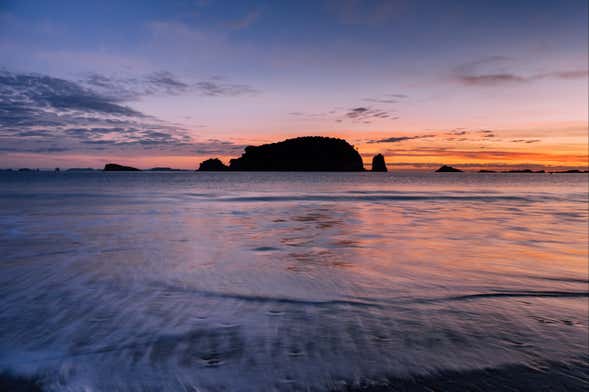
[(188, 281)]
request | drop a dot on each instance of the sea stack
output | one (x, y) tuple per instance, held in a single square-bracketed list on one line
[(448, 169), (378, 163), (213, 164)]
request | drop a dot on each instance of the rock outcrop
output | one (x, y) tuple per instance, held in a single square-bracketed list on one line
[(309, 153), (213, 164), (448, 169), (378, 163), (116, 167)]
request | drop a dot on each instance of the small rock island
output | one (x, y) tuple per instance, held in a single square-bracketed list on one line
[(117, 167), (378, 163), (213, 164), (308, 153), (448, 169)]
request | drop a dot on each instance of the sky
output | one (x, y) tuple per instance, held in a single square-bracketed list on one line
[(470, 83)]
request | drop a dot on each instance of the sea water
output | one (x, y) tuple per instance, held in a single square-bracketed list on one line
[(289, 281)]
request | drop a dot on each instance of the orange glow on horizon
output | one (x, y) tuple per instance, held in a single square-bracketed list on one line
[(551, 148)]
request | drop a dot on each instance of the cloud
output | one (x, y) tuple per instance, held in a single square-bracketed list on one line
[(381, 100), (400, 139), (400, 96), (34, 150), (365, 114), (34, 133), (495, 71), (214, 147), (214, 88), (528, 141), (388, 98), (567, 75), (358, 114), (490, 79), (30, 94), (485, 155), (40, 114), (163, 83)]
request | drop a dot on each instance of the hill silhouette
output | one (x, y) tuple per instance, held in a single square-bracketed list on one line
[(308, 153), (448, 169), (117, 167)]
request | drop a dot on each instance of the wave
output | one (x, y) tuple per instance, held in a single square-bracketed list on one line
[(378, 302), (515, 294), (359, 198), (240, 197), (268, 299)]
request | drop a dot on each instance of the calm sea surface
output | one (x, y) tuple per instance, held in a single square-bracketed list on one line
[(290, 281)]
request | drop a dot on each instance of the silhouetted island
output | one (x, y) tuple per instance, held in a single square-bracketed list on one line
[(448, 169), (116, 167), (524, 171), (80, 169), (166, 169), (573, 171), (308, 153), (378, 163), (213, 164)]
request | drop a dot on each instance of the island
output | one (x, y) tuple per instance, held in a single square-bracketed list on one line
[(213, 164), (164, 169), (308, 153), (117, 167), (448, 169), (80, 169), (572, 171), (524, 171), (378, 163)]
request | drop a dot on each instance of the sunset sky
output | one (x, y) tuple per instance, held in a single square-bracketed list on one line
[(497, 84)]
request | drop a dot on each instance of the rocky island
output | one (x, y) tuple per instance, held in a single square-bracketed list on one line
[(213, 164), (309, 153), (448, 169), (117, 167)]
